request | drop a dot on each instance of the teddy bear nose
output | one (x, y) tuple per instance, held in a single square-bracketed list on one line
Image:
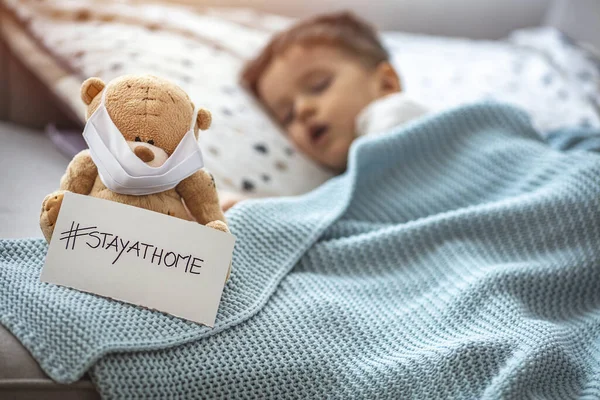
[(144, 153)]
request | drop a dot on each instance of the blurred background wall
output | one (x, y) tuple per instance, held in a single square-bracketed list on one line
[(579, 19), (477, 19)]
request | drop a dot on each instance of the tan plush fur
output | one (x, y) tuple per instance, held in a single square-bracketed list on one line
[(144, 108)]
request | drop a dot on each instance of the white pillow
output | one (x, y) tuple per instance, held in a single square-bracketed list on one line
[(536, 69)]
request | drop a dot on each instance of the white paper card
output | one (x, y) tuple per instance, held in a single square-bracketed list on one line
[(140, 257)]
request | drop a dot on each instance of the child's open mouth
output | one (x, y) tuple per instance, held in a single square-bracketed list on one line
[(317, 133)]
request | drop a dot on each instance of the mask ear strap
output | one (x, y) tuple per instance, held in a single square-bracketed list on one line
[(194, 118), (103, 99)]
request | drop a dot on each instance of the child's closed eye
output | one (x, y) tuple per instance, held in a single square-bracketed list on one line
[(320, 85)]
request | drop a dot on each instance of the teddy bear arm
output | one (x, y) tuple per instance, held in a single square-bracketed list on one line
[(199, 193), (80, 175)]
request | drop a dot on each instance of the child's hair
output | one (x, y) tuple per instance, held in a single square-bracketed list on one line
[(343, 30)]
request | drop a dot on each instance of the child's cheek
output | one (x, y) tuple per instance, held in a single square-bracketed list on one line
[(299, 138)]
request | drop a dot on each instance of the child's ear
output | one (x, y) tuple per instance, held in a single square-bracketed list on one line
[(90, 89), (388, 81)]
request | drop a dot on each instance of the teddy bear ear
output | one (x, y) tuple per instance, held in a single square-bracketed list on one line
[(90, 89), (204, 119)]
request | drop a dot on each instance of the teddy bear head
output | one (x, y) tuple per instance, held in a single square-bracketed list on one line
[(152, 113)]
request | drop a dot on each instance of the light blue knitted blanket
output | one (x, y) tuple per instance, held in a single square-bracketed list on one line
[(458, 257)]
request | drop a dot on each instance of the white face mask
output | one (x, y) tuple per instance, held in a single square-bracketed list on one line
[(123, 172)]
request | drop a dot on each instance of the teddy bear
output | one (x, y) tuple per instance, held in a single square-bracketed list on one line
[(153, 115)]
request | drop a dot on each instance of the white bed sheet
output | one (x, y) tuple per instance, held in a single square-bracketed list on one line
[(31, 168)]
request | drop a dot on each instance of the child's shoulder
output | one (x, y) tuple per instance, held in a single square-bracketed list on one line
[(387, 112)]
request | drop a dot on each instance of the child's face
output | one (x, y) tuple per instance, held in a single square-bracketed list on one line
[(316, 93)]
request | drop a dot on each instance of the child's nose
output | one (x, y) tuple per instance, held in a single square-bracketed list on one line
[(305, 109)]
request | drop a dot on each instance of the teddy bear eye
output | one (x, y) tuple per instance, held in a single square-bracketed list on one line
[(137, 139), (151, 141)]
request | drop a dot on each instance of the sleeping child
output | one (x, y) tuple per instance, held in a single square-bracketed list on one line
[(326, 81)]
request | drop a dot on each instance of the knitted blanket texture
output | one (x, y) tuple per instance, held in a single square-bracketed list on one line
[(457, 257)]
